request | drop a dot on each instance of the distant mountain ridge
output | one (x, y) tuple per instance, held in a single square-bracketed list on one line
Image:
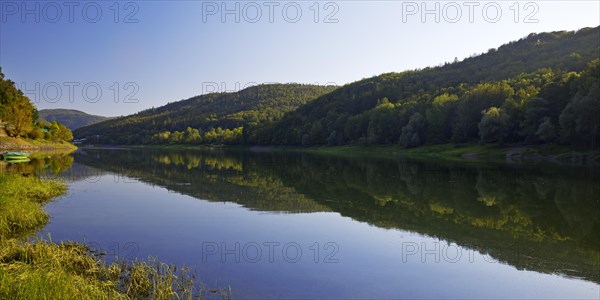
[(71, 118)]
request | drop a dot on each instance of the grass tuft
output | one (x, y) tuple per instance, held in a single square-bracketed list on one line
[(20, 203)]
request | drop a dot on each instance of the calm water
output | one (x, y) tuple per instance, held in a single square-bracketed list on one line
[(302, 226)]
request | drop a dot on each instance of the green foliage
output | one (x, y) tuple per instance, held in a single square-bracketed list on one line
[(20, 199), (473, 103), (440, 118), (579, 120), (54, 132), (493, 126), (455, 100), (543, 88), (412, 133), (19, 117), (16, 111), (192, 136), (546, 131), (43, 270), (251, 106)]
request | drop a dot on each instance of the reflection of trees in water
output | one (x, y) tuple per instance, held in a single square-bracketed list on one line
[(487, 208), (214, 177), (532, 218), (194, 161), (41, 164)]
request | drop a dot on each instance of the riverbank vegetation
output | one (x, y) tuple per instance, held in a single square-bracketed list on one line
[(44, 270), (20, 202), (38, 145)]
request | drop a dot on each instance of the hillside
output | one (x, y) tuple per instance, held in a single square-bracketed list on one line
[(253, 105), (71, 118), (540, 89), (525, 89)]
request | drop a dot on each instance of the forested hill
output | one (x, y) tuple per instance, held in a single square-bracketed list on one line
[(71, 118), (542, 88), (220, 115)]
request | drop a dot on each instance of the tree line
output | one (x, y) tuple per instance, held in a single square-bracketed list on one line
[(194, 136), (542, 107)]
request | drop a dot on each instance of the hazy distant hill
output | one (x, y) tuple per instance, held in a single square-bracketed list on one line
[(71, 118)]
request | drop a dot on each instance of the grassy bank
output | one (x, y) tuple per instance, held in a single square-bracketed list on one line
[(8, 144), (44, 270), (20, 203)]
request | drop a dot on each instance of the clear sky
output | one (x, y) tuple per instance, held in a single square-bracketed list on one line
[(144, 54)]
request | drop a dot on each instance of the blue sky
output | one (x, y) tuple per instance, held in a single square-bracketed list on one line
[(144, 54)]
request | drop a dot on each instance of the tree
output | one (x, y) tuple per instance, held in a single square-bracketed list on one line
[(546, 131), (192, 136), (19, 116), (493, 126), (15, 109), (579, 120), (64, 134), (535, 109), (440, 118), (478, 99), (412, 133), (332, 138)]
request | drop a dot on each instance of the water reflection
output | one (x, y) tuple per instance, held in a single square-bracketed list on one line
[(41, 164), (535, 218)]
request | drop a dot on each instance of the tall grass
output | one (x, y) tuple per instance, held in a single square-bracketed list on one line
[(44, 270), (20, 203)]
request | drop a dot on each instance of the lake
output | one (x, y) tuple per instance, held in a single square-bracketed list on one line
[(291, 225)]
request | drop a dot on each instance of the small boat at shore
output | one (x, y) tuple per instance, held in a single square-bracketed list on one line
[(15, 156)]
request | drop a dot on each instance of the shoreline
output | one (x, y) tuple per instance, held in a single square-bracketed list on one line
[(18, 144), (513, 154)]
